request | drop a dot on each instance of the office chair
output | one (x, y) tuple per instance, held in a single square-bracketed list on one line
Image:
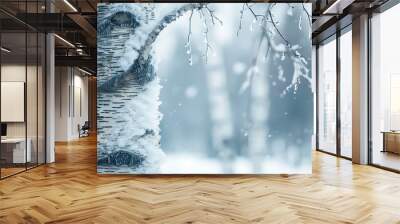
[(84, 130)]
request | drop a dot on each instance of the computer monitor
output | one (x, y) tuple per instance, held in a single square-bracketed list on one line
[(3, 129)]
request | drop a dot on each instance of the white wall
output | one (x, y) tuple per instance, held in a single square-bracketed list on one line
[(70, 84), (17, 73), (14, 72), (33, 126), (79, 117), (13, 100)]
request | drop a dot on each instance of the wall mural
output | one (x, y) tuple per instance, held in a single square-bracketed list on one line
[(210, 88)]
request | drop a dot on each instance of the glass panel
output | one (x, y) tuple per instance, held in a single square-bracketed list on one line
[(327, 96), (31, 100), (23, 88), (346, 93), (32, 88), (41, 99), (13, 87), (386, 89)]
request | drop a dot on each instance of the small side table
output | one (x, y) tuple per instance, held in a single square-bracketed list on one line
[(391, 141)]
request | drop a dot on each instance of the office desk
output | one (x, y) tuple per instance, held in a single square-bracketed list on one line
[(13, 150), (391, 141)]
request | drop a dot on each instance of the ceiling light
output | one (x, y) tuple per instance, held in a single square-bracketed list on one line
[(64, 40), (5, 50), (84, 71), (333, 6), (70, 5), (337, 7)]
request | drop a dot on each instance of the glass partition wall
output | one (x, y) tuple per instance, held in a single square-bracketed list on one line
[(22, 77), (13, 110), (334, 118), (334, 93)]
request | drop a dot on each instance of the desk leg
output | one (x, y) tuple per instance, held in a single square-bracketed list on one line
[(384, 142)]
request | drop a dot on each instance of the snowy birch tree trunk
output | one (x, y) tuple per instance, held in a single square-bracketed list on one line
[(128, 88), (220, 109), (259, 108), (128, 128)]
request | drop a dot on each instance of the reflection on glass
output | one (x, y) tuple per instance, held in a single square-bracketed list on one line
[(327, 96), (31, 101), (22, 91), (41, 99), (14, 153), (386, 89), (346, 94)]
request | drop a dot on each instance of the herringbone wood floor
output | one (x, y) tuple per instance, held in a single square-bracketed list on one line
[(70, 191)]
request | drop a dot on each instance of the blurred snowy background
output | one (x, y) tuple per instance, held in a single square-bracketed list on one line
[(243, 108)]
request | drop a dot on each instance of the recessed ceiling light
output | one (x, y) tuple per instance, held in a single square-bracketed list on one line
[(5, 50), (84, 71), (337, 7), (70, 5), (64, 40)]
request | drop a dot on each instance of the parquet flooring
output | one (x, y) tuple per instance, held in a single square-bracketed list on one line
[(70, 191), (10, 171)]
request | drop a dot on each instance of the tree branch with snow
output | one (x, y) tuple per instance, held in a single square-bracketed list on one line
[(269, 28)]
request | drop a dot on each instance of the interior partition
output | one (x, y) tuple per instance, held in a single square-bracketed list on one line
[(22, 77), (16, 148)]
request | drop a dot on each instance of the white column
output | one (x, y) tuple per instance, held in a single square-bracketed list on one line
[(360, 90), (50, 99)]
